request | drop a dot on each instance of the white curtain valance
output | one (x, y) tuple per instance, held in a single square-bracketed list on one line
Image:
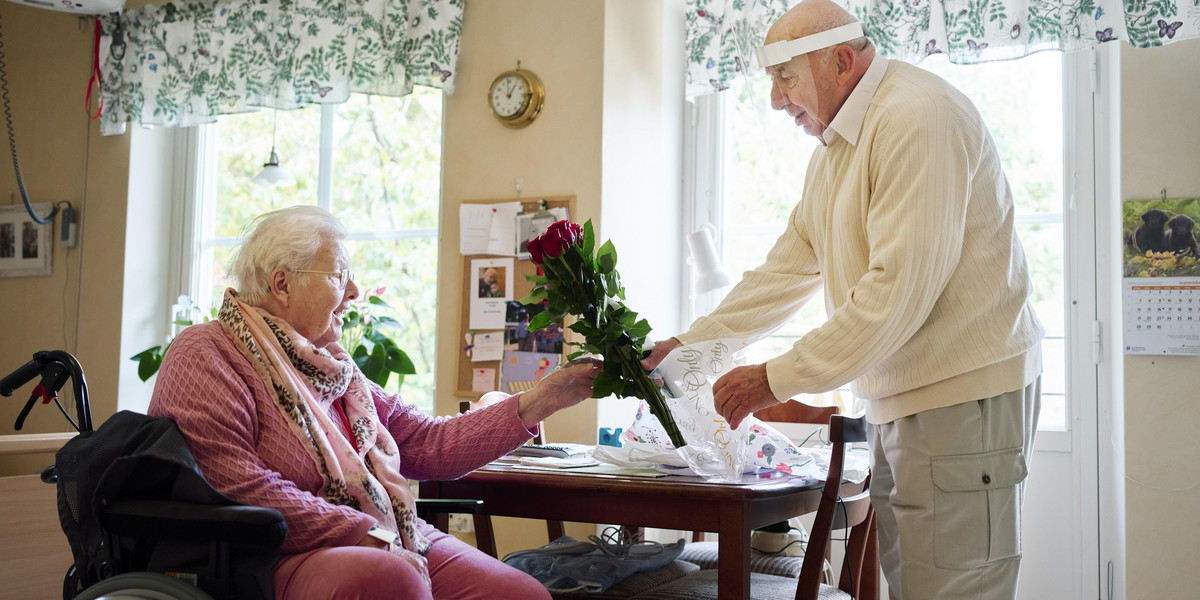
[(185, 62), (722, 34)]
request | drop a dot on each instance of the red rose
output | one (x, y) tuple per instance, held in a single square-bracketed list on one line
[(534, 247), (560, 236)]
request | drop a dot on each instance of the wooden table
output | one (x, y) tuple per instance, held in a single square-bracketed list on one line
[(732, 510)]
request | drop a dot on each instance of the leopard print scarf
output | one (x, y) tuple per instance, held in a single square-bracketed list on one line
[(306, 381)]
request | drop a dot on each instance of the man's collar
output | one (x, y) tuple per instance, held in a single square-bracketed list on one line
[(849, 118)]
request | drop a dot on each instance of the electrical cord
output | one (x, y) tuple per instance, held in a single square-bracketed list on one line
[(12, 142), (617, 542)]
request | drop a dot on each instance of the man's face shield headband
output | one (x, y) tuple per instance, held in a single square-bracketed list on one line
[(797, 75), (785, 50)]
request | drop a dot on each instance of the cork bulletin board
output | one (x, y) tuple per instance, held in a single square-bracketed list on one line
[(468, 368)]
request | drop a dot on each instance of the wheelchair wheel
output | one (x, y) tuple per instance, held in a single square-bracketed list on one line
[(143, 586)]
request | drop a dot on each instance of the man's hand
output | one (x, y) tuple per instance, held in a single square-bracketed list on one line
[(661, 349), (740, 392)]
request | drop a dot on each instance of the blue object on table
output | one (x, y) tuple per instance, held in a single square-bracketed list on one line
[(608, 437)]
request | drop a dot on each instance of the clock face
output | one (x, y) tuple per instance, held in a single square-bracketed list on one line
[(508, 96)]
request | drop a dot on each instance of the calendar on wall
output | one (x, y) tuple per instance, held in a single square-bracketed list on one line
[(1161, 276), (1162, 315)]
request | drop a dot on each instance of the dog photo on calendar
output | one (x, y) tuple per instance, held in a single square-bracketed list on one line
[(1159, 237)]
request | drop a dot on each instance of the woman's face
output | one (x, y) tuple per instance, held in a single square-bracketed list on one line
[(319, 302)]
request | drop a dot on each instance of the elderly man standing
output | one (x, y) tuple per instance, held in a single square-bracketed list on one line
[(906, 221)]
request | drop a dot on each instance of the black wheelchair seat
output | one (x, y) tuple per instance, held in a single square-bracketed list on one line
[(131, 499)]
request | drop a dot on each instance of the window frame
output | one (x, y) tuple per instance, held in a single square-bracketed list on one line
[(193, 212)]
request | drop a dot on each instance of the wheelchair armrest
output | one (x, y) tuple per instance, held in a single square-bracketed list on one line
[(430, 506), (168, 519)]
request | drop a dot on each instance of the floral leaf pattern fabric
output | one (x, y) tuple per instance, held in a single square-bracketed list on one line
[(722, 34), (186, 62)]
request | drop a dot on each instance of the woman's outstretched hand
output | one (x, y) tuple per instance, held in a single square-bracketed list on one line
[(566, 386)]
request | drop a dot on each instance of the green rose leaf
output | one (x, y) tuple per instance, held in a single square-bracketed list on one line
[(540, 321), (606, 258)]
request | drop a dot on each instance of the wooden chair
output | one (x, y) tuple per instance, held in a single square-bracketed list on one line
[(859, 577), (704, 553)]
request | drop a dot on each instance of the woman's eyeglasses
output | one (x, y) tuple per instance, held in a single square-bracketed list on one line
[(344, 276)]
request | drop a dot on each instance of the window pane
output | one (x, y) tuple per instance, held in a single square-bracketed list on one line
[(404, 274), (386, 191), (766, 160), (387, 161), (243, 145), (1021, 101)]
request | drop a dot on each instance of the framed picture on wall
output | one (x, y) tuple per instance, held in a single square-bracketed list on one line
[(25, 244)]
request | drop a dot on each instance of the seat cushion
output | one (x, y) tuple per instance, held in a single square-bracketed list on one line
[(636, 583), (704, 554), (702, 585)]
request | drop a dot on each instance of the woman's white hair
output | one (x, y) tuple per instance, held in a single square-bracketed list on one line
[(288, 238)]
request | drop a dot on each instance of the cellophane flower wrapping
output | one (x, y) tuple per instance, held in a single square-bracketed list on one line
[(714, 450), (577, 279)]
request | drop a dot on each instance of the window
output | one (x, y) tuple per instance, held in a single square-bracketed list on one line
[(375, 163), (765, 158)]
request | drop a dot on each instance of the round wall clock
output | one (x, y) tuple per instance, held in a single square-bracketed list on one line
[(516, 97)]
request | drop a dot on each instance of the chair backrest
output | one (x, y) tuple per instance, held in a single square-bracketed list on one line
[(856, 514), (794, 411)]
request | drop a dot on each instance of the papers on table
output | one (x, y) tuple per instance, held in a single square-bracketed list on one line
[(554, 451), (578, 459)]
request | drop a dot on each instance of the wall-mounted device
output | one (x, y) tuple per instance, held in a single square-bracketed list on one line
[(79, 7)]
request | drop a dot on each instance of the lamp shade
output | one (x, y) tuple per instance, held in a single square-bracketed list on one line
[(273, 174), (709, 275)]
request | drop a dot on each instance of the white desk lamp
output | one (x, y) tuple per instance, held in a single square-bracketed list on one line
[(708, 275)]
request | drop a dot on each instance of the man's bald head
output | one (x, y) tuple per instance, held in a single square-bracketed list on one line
[(806, 18)]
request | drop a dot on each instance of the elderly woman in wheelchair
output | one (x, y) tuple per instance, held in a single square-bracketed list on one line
[(277, 414)]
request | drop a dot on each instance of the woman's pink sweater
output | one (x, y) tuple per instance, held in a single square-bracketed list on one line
[(246, 451)]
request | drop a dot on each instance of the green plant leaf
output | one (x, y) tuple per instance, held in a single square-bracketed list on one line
[(640, 329), (605, 384), (540, 320), (376, 366), (589, 238), (387, 322), (606, 257), (377, 301), (360, 356), (536, 296), (149, 361), (398, 362)]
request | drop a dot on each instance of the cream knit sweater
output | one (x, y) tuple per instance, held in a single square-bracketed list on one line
[(910, 231)]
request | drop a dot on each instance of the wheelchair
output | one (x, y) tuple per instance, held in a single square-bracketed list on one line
[(141, 520)]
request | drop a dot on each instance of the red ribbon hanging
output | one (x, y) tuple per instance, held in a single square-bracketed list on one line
[(87, 102)]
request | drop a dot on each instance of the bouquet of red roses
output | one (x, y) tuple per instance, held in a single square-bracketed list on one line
[(573, 280)]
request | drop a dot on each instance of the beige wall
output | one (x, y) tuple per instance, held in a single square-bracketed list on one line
[(562, 42), (1160, 148), (78, 307), (598, 138)]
